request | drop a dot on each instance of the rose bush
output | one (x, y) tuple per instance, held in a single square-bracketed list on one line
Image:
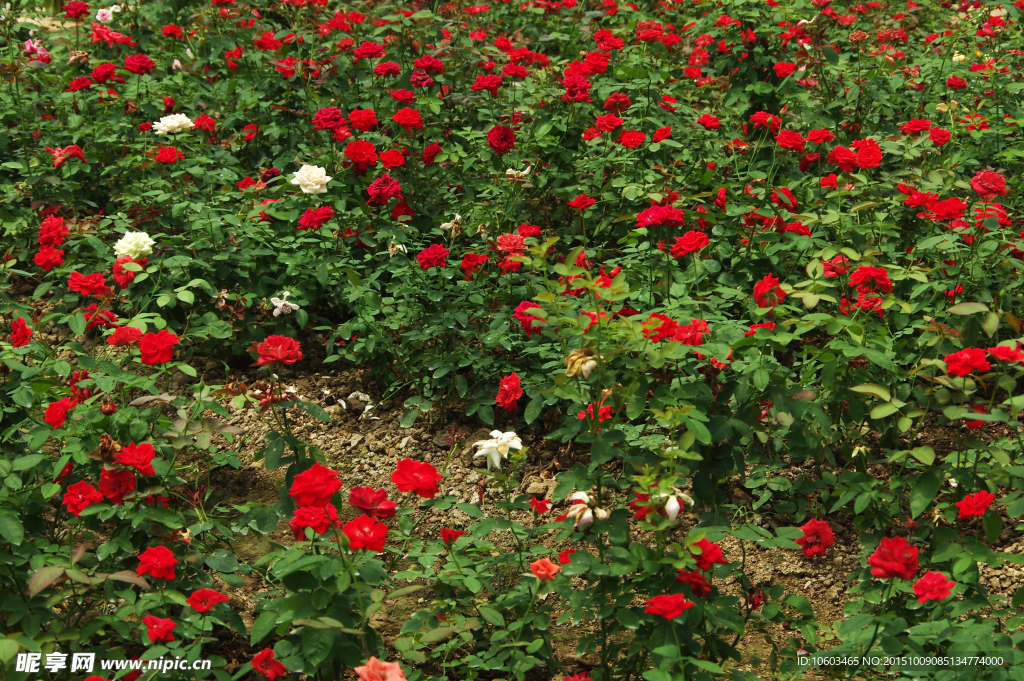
[(705, 243)]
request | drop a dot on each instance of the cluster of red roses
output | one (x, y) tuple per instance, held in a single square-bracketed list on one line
[(116, 479)]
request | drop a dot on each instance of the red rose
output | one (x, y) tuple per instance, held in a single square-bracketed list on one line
[(894, 557), (115, 484), (91, 285), (1006, 354), (75, 10), (314, 218), (204, 599), (57, 412), (933, 587), (489, 83), (48, 258), (871, 279), (366, 533), (709, 554), (661, 133), (820, 136), (916, 125), (124, 277), (410, 119), (362, 155), (159, 629), (668, 606), (413, 476), (157, 348), (471, 262), (319, 518), (754, 327), (432, 256), (140, 457), (617, 103), (966, 362), (372, 501), (631, 138), (21, 333), (975, 504), (265, 664), (698, 583), (938, 136), (539, 505), (988, 184), (329, 118), (139, 63), (392, 158), (80, 496), (767, 292), (383, 189), (691, 242), (763, 119), (818, 536), (430, 152), (869, 155), (544, 569), (158, 562), (565, 557), (709, 122), (956, 83), (169, 155), (501, 139), (509, 392), (450, 536), (525, 319), (784, 68), (278, 350), (363, 120), (582, 202), (314, 486), (787, 139), (124, 335)]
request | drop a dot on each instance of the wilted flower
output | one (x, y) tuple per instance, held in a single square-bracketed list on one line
[(282, 306), (135, 245), (498, 447), (513, 175), (172, 124), (394, 249), (311, 179), (455, 226), (580, 362)]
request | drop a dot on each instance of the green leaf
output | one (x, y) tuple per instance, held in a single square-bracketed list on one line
[(883, 410), (923, 492), (77, 324), (222, 561), (439, 634), (11, 528), (491, 616), (470, 510), (409, 417), (186, 297), (993, 526), (967, 308), (263, 625), (317, 644), (925, 455), (533, 409)]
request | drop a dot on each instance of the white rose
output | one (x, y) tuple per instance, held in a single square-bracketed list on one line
[(311, 179), (135, 245), (104, 16), (172, 124)]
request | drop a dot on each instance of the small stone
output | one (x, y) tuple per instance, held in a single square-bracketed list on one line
[(405, 441), (356, 439)]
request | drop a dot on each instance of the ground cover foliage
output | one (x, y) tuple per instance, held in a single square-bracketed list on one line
[(706, 241)]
